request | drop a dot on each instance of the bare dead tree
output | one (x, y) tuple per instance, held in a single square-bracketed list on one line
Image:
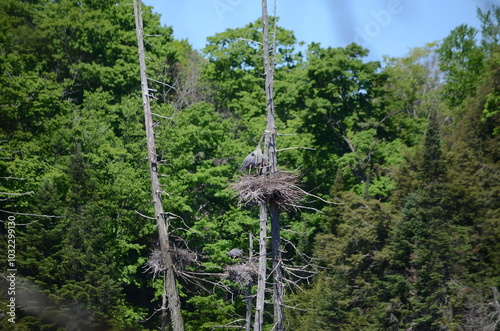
[(270, 151), (171, 294), (272, 190)]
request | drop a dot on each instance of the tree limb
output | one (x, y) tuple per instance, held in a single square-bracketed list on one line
[(24, 193), (34, 215), (288, 148)]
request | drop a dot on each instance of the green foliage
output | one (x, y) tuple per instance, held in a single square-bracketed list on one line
[(235, 67), (473, 153), (352, 248), (413, 88), (490, 28), (463, 58), (462, 61)]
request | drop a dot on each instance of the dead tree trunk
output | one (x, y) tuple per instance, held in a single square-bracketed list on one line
[(261, 283), (277, 267), (170, 286), (270, 150), (249, 287)]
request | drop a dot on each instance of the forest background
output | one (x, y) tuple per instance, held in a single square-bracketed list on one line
[(406, 152)]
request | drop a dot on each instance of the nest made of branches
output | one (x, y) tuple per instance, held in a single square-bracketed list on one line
[(180, 257), (280, 187), (243, 274), (154, 264), (183, 257)]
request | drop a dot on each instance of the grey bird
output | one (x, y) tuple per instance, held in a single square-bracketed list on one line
[(235, 253), (255, 160)]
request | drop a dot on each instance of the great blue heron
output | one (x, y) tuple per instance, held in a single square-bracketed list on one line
[(255, 160), (235, 253)]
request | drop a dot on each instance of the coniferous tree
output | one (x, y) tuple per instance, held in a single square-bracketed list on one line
[(428, 241)]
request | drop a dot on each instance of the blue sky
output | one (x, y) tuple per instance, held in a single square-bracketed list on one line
[(385, 27)]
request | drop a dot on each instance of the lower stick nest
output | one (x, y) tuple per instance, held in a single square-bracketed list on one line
[(243, 274), (180, 257), (279, 187)]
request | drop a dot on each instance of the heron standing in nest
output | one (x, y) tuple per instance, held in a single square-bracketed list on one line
[(235, 253), (255, 160)]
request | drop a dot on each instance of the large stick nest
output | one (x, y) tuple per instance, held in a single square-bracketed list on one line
[(279, 187), (243, 274), (180, 257)]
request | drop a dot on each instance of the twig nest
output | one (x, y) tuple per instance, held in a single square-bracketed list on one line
[(154, 264), (181, 258), (279, 187), (243, 274)]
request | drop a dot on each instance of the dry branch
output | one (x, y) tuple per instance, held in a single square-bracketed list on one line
[(26, 214), (10, 193)]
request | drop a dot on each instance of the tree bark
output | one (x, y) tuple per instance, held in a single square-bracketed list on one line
[(278, 293), (261, 283), (170, 286), (249, 287), (270, 141), (270, 150)]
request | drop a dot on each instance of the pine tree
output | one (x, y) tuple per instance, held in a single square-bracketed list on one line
[(428, 242)]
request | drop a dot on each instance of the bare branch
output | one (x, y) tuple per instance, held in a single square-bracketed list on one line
[(148, 217), (34, 215), (299, 309), (285, 149), (166, 117), (162, 83), (24, 193), (153, 314), (297, 207), (250, 40), (22, 224), (193, 278), (315, 196), (228, 325)]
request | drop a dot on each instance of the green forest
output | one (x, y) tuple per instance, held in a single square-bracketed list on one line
[(400, 226)]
